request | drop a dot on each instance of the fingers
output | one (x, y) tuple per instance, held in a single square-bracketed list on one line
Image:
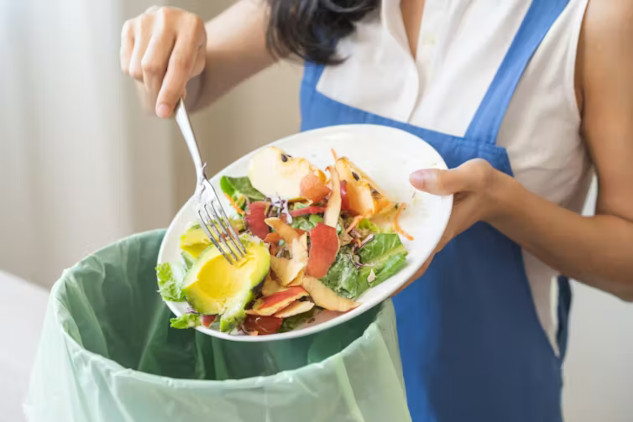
[(127, 45), (163, 48), (467, 177), (141, 40), (181, 66), (154, 64)]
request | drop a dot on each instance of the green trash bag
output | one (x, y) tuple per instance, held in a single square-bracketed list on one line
[(107, 354)]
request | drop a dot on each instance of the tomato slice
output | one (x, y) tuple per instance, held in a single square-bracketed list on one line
[(307, 211), (208, 320), (255, 216), (262, 324)]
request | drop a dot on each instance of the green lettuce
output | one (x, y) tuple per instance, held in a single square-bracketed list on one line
[(186, 321), (235, 186), (169, 281), (294, 321), (380, 258), (306, 222), (367, 227), (343, 277)]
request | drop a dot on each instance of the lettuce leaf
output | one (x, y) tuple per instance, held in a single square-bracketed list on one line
[(380, 248), (186, 321), (306, 222), (366, 227), (169, 281), (234, 186), (294, 321), (349, 276)]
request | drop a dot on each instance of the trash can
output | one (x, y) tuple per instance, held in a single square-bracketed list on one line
[(107, 354)]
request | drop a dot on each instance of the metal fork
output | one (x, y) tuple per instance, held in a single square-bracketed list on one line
[(211, 215)]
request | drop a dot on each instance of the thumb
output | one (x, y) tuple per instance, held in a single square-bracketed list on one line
[(439, 182)]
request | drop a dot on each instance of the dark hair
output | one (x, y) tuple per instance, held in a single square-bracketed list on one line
[(311, 28)]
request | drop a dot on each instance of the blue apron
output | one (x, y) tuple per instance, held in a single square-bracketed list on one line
[(472, 346)]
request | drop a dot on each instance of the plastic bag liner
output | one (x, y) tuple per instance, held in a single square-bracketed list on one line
[(107, 353)]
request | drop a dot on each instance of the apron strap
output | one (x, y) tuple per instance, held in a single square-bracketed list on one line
[(536, 23)]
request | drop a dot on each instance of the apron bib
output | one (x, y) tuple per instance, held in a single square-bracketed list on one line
[(471, 343)]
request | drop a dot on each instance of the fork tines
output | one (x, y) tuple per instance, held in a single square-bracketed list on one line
[(218, 227)]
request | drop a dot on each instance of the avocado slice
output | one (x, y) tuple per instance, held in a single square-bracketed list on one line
[(214, 287), (195, 240)]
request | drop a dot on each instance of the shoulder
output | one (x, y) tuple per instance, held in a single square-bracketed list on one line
[(605, 46)]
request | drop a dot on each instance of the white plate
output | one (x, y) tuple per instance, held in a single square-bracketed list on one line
[(388, 156)]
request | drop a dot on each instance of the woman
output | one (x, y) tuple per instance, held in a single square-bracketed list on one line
[(524, 100)]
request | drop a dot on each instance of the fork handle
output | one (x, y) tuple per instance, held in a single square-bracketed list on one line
[(187, 132)]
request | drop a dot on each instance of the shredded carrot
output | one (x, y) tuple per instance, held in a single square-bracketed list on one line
[(396, 224), (334, 154), (234, 205), (355, 222)]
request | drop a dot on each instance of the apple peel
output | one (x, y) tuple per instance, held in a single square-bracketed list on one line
[(269, 305), (325, 297), (271, 286), (313, 188), (333, 209), (287, 233), (324, 245), (295, 308)]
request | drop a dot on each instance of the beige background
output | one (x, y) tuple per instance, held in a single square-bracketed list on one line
[(82, 166)]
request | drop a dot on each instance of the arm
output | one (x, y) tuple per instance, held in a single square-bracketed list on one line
[(596, 250), (171, 52)]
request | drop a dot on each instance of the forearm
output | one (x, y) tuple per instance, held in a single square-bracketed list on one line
[(595, 250), (236, 49)]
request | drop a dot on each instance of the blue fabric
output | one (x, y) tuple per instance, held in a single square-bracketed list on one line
[(470, 339)]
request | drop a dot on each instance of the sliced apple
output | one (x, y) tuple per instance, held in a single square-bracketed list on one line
[(268, 305), (291, 270), (323, 249), (333, 210), (271, 286), (299, 249), (363, 194), (285, 269), (255, 219), (276, 174), (313, 188), (344, 198), (325, 297), (295, 308), (287, 233)]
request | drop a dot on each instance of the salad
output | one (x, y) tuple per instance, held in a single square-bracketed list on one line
[(315, 240)]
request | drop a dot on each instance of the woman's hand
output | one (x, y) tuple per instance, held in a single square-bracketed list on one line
[(473, 185), (163, 49)]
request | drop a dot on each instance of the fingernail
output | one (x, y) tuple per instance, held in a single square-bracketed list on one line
[(163, 111), (420, 178)]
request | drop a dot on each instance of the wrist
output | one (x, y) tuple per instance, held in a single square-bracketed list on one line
[(501, 194)]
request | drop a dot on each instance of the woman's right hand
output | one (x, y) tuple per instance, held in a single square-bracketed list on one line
[(163, 49)]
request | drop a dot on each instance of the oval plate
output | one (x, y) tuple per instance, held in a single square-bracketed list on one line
[(388, 156)]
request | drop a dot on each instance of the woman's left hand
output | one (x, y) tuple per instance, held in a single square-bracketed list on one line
[(473, 184)]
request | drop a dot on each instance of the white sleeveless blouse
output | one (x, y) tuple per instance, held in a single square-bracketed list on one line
[(460, 47)]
